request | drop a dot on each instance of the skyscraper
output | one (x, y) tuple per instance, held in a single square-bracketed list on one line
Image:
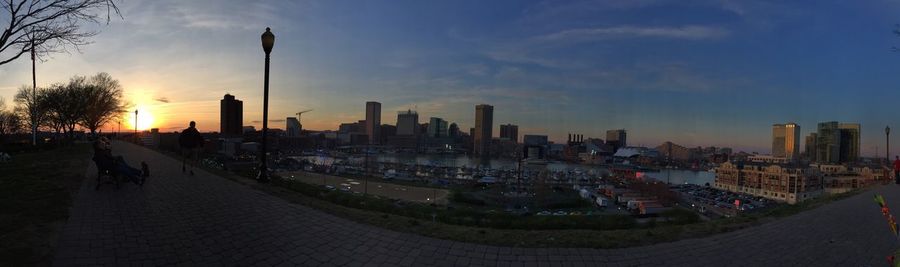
[(293, 127), (849, 144), (373, 122), (407, 123), (811, 146), (510, 132), (231, 121), (786, 140), (437, 128), (616, 138), (453, 130), (828, 138), (484, 122)]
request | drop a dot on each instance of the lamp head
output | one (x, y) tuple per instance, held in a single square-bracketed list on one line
[(268, 40)]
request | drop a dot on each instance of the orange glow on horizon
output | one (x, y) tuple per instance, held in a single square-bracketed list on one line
[(144, 119)]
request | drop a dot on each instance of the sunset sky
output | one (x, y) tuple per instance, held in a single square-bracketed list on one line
[(712, 72)]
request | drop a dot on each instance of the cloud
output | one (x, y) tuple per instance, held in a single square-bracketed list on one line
[(692, 32), (162, 99)]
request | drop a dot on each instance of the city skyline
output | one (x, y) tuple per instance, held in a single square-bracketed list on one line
[(702, 73)]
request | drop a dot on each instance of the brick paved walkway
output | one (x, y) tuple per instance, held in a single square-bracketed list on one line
[(207, 220)]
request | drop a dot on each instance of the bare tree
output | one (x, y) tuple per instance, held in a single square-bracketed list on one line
[(30, 108), (65, 105), (10, 123), (52, 100), (103, 98), (48, 26)]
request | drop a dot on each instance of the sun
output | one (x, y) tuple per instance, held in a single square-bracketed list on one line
[(144, 119)]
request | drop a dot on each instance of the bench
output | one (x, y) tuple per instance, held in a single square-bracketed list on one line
[(106, 174)]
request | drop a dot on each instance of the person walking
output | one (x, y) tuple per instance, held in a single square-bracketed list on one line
[(897, 170), (191, 142)]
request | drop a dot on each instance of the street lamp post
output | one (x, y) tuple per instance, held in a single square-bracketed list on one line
[(135, 125), (887, 148), (268, 40)]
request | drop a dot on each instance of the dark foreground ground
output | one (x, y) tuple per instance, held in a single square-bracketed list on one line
[(208, 220)]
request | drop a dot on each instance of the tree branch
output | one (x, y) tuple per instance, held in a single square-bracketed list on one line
[(49, 26)]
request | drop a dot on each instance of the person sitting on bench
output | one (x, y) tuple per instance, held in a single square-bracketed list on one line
[(103, 156)]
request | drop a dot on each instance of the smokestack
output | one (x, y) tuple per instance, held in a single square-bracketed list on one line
[(570, 137)]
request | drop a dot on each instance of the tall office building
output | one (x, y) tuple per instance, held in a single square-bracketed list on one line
[(453, 130), (510, 132), (437, 128), (484, 123), (828, 142), (373, 122), (849, 144), (811, 146), (231, 121), (293, 127), (407, 123), (616, 138), (786, 141)]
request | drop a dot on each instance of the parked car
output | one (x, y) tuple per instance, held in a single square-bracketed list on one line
[(560, 213)]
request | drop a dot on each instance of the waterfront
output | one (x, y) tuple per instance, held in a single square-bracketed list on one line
[(673, 176)]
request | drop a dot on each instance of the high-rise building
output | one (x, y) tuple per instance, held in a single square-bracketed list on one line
[(387, 131), (510, 132), (849, 144), (811, 146), (616, 138), (407, 123), (484, 123), (373, 122), (437, 128), (453, 130), (293, 127), (837, 142), (828, 142), (231, 116), (786, 141)]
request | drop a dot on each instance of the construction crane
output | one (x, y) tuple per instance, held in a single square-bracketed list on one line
[(301, 113)]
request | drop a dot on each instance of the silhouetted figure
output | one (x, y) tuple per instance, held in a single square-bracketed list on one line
[(104, 158), (191, 142), (897, 170)]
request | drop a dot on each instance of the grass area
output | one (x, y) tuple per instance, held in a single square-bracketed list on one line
[(36, 190)]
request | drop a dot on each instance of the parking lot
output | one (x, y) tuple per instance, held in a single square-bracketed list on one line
[(713, 202)]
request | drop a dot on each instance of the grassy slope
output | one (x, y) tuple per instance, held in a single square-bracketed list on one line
[(36, 190)]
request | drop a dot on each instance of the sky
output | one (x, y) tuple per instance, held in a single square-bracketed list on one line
[(697, 73)]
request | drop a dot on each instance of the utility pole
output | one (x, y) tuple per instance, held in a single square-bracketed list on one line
[(33, 95)]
